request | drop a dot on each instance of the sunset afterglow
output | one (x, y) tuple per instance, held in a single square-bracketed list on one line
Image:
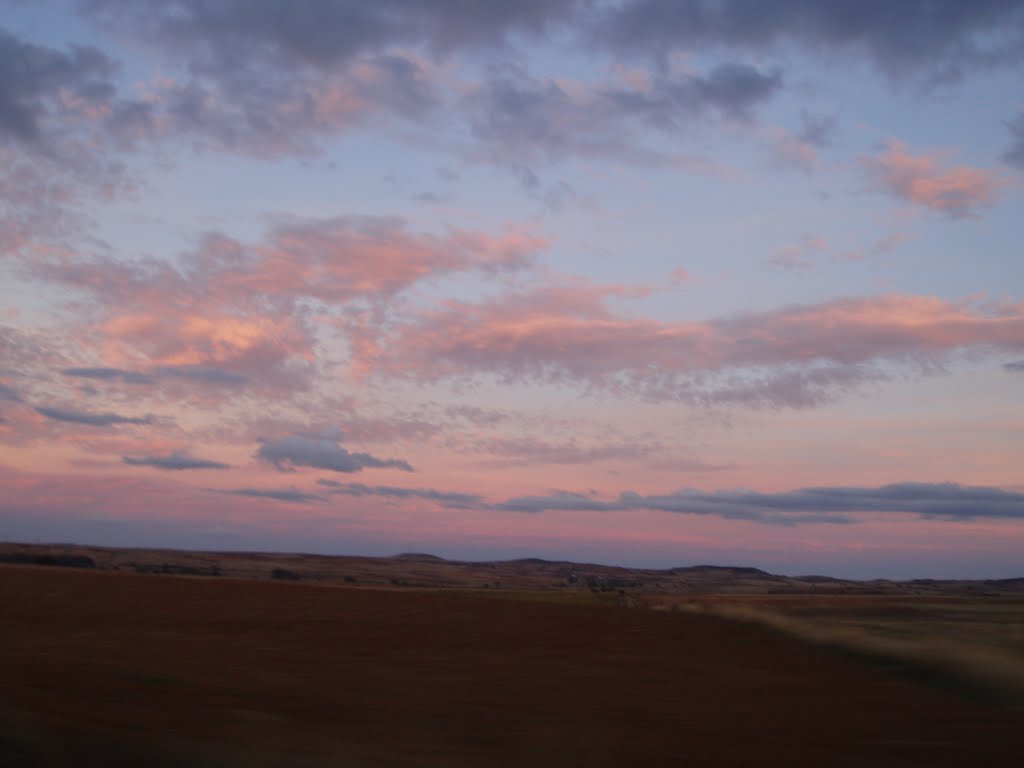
[(639, 282)]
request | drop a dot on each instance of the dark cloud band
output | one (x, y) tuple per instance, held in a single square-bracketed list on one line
[(173, 462), (949, 501), (90, 419)]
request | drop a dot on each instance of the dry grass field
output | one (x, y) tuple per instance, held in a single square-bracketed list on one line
[(141, 669), (974, 643)]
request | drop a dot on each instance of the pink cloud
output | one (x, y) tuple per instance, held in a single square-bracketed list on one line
[(798, 356), (270, 350), (957, 191), (644, 452), (526, 451), (120, 444), (792, 151), (340, 258), (244, 311), (798, 255), (364, 257), (679, 276)]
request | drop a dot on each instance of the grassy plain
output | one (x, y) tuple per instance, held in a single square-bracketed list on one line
[(971, 643), (143, 669)]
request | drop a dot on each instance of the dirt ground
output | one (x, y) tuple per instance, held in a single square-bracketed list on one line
[(132, 669)]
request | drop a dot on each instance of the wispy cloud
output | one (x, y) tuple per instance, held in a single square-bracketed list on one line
[(798, 255), (523, 120), (447, 499), (202, 373), (957, 192), (818, 131), (276, 494), (62, 120), (110, 374), (90, 419), (198, 374), (1015, 153), (525, 451), (239, 315), (9, 393), (937, 39), (949, 501), (173, 462), (219, 36), (33, 79), (799, 356), (257, 83)]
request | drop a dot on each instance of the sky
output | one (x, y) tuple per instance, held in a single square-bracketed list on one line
[(642, 282)]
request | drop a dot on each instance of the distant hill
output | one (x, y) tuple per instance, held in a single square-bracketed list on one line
[(424, 570)]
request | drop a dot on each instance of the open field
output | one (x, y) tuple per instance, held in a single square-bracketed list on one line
[(973, 643), (130, 669)]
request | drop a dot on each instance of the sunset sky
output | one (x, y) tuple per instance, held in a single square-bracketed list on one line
[(645, 282)]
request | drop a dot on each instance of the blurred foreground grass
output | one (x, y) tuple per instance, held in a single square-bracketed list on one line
[(975, 645)]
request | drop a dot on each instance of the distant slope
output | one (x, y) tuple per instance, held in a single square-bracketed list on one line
[(418, 569)]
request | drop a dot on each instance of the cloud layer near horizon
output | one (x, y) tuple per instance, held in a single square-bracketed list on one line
[(947, 501)]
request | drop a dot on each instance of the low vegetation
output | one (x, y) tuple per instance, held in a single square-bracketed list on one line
[(143, 658), (976, 646)]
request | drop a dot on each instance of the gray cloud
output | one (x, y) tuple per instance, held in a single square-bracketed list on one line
[(173, 462), (1015, 154), (202, 374), (527, 119), (110, 374), (816, 130), (321, 453), (266, 80), (1015, 367), (261, 80), (279, 494), (31, 76), (57, 130), (940, 39), (731, 89), (8, 393), (270, 111), (387, 429), (446, 499), (324, 34), (557, 501), (91, 419), (481, 417), (526, 451), (950, 501), (195, 373)]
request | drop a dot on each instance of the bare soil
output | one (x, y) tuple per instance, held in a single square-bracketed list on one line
[(138, 669)]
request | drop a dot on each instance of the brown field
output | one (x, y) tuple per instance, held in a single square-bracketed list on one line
[(139, 669), (975, 643)]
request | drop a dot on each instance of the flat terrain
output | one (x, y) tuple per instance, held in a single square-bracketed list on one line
[(141, 669)]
